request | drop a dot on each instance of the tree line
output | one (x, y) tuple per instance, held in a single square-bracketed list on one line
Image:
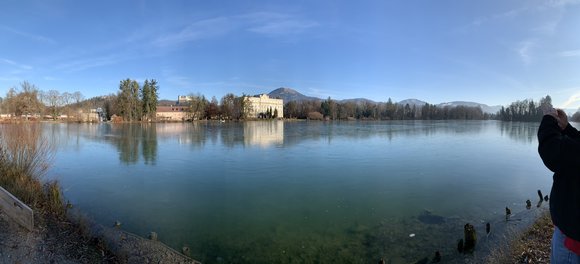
[(30, 102), (330, 109), (136, 102)]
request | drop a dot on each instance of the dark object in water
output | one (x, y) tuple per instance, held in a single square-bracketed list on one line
[(460, 246), (424, 260), (487, 228), (508, 213), (540, 194), (437, 257), (470, 237), (546, 198), (528, 204), (428, 218), (382, 261)]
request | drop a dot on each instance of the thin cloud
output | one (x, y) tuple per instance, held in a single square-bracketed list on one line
[(13, 63), (575, 98), (524, 51), (35, 37), (267, 23), (283, 27), (569, 53), (80, 65), (198, 30)]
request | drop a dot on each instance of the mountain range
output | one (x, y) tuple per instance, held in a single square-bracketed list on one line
[(288, 95)]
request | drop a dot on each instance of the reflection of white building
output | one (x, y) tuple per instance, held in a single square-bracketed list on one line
[(264, 134), (260, 105)]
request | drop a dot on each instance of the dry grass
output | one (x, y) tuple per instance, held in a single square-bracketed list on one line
[(532, 246), (25, 157)]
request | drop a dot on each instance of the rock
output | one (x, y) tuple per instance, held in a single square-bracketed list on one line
[(153, 236), (540, 194), (487, 228), (546, 198), (437, 257), (117, 224), (185, 250), (508, 213), (460, 246), (470, 237), (382, 261), (528, 204)]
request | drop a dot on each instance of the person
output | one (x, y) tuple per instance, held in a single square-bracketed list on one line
[(559, 148)]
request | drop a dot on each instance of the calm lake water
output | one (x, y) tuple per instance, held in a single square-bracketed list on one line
[(302, 192)]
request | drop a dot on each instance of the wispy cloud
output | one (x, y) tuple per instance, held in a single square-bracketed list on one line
[(31, 36), (575, 98), (266, 23), (283, 27), (83, 64), (569, 53), (271, 23), (195, 31), (524, 51), (13, 63)]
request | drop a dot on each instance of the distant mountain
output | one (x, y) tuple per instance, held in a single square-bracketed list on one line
[(357, 101), (411, 102), (288, 95), (485, 108)]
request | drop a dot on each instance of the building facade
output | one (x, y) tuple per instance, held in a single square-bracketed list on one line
[(172, 113), (261, 105)]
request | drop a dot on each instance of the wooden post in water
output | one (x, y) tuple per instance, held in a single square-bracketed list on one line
[(16, 209)]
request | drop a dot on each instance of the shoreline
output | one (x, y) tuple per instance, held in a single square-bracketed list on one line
[(533, 245)]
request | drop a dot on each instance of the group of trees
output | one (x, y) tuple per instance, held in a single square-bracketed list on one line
[(135, 102), (230, 107), (526, 110), (334, 110), (29, 101)]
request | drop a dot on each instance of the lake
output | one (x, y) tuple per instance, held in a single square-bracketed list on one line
[(303, 192)]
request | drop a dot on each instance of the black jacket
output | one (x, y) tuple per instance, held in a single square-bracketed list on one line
[(560, 152)]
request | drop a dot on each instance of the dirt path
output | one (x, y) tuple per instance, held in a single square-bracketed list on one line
[(55, 241), (47, 244)]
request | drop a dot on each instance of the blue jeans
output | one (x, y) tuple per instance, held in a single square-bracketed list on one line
[(560, 254)]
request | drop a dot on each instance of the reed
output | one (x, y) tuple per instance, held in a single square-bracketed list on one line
[(25, 157)]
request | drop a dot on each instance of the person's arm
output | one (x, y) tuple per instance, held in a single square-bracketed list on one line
[(567, 129), (571, 132), (556, 149)]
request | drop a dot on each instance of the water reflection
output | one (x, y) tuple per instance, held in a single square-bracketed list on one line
[(134, 141), (264, 134), (520, 131), (140, 141)]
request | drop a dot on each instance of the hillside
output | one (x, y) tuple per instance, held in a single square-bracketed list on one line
[(288, 94)]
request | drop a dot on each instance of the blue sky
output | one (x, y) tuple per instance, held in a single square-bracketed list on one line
[(492, 52)]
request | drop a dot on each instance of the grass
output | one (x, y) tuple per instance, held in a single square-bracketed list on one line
[(25, 157), (532, 246)]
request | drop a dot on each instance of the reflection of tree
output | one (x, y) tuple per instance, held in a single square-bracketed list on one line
[(149, 143), (128, 144), (130, 138), (520, 131)]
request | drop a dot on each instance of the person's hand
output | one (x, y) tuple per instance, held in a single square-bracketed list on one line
[(550, 111), (562, 119)]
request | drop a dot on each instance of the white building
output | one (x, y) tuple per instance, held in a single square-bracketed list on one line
[(262, 104)]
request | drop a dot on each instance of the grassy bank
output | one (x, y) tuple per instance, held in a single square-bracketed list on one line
[(532, 246), (61, 234), (25, 157)]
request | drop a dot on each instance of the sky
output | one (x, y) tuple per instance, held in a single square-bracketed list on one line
[(493, 52)]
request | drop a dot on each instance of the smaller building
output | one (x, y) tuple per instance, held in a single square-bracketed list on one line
[(172, 113), (261, 105), (184, 99)]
